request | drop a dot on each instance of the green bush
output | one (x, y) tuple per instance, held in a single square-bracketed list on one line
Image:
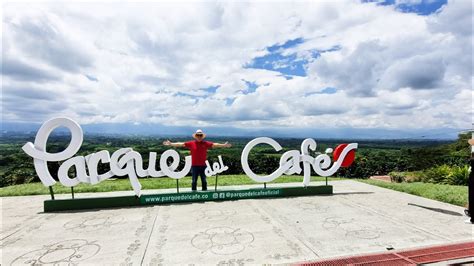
[(415, 176), (397, 177), (459, 175), (445, 174), (438, 174)]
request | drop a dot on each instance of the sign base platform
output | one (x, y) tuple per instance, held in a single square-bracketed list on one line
[(169, 198)]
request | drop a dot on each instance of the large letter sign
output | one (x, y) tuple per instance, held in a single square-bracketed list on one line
[(216, 168), (41, 156), (290, 161), (123, 162), (127, 162)]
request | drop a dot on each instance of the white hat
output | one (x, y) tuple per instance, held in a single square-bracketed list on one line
[(199, 132)]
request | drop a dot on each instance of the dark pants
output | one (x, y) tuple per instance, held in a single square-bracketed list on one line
[(196, 171), (470, 189)]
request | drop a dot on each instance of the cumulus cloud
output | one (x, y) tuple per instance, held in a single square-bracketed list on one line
[(16, 69), (45, 37), (239, 64), (417, 72)]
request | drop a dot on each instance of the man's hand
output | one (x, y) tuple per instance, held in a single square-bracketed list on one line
[(227, 144), (167, 142)]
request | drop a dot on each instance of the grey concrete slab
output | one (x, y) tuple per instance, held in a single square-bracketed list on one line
[(357, 219)]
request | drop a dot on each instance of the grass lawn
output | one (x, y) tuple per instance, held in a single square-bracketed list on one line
[(456, 195), (147, 183)]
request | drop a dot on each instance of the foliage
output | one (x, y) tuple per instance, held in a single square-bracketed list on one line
[(456, 195), (459, 175), (445, 174), (397, 177), (437, 174), (373, 157)]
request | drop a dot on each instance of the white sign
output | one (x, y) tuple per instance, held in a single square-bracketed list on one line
[(123, 162), (127, 162), (217, 167), (290, 161)]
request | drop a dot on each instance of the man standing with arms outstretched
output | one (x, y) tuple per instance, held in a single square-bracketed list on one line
[(198, 148)]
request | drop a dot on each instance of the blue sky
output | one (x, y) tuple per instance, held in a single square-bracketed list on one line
[(275, 60), (421, 7), (400, 66)]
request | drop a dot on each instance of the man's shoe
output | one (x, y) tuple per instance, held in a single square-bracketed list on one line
[(468, 221)]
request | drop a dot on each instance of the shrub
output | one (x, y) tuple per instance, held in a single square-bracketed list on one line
[(397, 177), (444, 174), (459, 175), (416, 176), (438, 174)]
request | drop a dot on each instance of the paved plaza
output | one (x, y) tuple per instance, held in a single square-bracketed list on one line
[(357, 219)]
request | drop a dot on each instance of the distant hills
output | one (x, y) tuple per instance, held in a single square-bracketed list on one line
[(149, 129)]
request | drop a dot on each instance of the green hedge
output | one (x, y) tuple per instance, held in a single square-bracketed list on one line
[(443, 174)]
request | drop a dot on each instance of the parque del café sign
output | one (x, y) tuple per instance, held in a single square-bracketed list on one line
[(127, 162)]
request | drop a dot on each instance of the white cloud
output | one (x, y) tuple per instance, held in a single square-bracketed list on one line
[(150, 62)]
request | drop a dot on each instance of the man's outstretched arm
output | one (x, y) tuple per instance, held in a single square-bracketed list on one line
[(173, 144), (222, 145)]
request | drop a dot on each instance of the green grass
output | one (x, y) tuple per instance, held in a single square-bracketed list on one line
[(147, 183), (456, 195)]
